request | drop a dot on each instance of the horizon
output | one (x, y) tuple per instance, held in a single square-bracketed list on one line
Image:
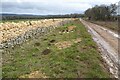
[(38, 14)]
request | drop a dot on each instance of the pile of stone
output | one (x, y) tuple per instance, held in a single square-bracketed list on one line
[(12, 33)]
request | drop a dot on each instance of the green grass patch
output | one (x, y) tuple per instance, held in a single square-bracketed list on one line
[(79, 60)]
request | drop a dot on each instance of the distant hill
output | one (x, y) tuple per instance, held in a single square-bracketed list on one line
[(7, 14)]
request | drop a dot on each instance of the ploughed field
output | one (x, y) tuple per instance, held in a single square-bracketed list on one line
[(67, 51)]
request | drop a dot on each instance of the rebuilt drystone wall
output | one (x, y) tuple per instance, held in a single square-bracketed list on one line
[(12, 33)]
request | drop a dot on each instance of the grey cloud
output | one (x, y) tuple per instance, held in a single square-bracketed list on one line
[(47, 7)]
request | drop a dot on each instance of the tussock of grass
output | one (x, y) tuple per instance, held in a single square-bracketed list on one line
[(79, 60)]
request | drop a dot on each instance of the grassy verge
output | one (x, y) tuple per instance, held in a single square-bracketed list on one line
[(79, 60), (112, 25)]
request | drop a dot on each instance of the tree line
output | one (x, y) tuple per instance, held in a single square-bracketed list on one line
[(18, 17), (102, 12)]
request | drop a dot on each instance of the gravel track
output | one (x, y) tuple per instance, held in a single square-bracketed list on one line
[(107, 42)]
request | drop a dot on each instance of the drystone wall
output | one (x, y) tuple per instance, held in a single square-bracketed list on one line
[(12, 33)]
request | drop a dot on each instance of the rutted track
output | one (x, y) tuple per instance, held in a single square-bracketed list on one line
[(107, 42)]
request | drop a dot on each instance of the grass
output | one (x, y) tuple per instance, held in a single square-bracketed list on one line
[(79, 60), (112, 25)]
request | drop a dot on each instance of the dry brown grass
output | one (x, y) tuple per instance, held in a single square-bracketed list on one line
[(35, 74), (112, 25), (66, 44), (70, 28)]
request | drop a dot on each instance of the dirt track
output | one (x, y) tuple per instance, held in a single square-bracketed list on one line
[(107, 42)]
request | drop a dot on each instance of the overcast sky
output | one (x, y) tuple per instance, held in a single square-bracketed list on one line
[(47, 7)]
